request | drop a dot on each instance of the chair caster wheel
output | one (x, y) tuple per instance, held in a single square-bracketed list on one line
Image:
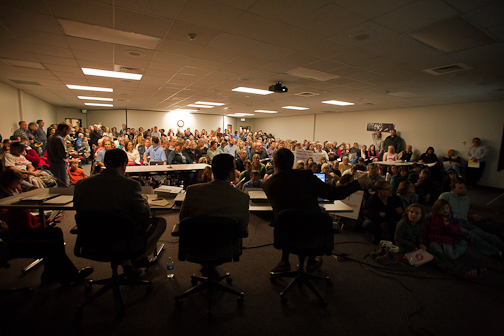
[(323, 303), (229, 281), (283, 300), (329, 283), (273, 279)]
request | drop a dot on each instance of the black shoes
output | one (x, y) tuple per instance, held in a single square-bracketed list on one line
[(81, 275)]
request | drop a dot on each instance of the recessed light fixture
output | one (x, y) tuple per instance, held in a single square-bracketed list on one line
[(89, 88), (209, 103), (111, 74), (202, 106), (337, 102), (265, 111), (95, 98), (295, 108), (96, 104), (250, 90)]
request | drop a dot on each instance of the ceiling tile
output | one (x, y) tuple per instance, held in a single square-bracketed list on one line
[(286, 11), (30, 20), (33, 36), (330, 20), (371, 9), (90, 45), (327, 48), (294, 38), (89, 56), (218, 55), (180, 48), (255, 26), (204, 63), (209, 14), (235, 43), (180, 31), (153, 7), (140, 23), (488, 16), (86, 11), (171, 58), (300, 59), (270, 51), (416, 15), (45, 59)]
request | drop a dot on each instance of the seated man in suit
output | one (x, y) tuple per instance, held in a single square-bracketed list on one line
[(293, 188), (111, 190), (218, 198)]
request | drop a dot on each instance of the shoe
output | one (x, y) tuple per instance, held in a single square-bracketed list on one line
[(310, 268), (144, 262), (132, 272), (388, 258), (81, 275), (382, 249), (283, 266)]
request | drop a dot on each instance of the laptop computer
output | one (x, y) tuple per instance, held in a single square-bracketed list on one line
[(322, 177)]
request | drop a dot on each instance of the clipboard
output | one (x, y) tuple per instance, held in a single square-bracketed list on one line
[(473, 164)]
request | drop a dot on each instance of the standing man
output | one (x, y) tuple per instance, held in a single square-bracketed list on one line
[(393, 140), (377, 141), (155, 132), (477, 153), (111, 190), (57, 154), (292, 188), (35, 142), (22, 131), (42, 134)]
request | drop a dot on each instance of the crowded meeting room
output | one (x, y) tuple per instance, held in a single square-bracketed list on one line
[(248, 167)]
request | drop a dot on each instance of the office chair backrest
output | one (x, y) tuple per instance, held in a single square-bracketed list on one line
[(107, 236), (208, 238), (303, 231)]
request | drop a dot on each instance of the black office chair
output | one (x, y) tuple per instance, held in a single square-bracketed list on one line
[(209, 241), (4, 263), (110, 236), (306, 233)]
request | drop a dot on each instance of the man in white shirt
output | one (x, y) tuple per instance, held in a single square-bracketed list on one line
[(155, 132), (477, 153)]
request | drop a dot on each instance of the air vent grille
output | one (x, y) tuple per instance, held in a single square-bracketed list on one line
[(306, 94), (122, 68), (448, 69)]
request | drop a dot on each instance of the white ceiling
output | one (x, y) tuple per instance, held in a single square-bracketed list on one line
[(253, 43)]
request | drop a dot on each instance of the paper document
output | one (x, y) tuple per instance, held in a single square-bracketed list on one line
[(161, 202), (60, 200), (169, 189), (473, 164), (39, 197), (257, 194)]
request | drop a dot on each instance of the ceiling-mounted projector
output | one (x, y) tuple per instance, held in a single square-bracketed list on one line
[(278, 87)]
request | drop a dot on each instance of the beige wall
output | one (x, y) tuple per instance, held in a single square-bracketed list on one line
[(63, 113), (9, 110), (293, 128), (109, 118)]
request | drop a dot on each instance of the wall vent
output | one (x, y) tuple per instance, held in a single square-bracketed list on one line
[(448, 69), (122, 68)]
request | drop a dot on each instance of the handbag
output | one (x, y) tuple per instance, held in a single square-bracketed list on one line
[(418, 257)]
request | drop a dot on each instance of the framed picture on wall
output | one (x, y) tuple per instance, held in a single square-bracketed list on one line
[(74, 122), (383, 127), (230, 128)]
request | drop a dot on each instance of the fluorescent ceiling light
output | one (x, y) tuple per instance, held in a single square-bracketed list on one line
[(250, 90), (95, 98), (265, 111), (295, 108), (24, 64), (104, 34), (337, 102), (96, 104), (311, 74), (111, 74), (202, 106), (208, 103), (239, 114), (184, 110), (89, 88)]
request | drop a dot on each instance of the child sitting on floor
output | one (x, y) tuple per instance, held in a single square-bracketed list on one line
[(440, 229)]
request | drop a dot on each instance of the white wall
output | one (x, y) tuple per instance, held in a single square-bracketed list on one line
[(108, 118), (33, 109), (442, 127), (9, 110), (293, 128), (63, 113)]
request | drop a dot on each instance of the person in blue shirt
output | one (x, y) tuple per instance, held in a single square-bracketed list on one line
[(255, 180), (155, 152)]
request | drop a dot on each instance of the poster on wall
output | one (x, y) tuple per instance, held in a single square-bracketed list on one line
[(304, 155), (383, 127)]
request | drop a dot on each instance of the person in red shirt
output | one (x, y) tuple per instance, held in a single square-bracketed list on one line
[(74, 172)]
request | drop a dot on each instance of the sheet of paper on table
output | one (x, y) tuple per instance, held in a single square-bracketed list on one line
[(169, 189)]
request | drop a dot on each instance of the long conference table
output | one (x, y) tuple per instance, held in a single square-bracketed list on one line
[(165, 168)]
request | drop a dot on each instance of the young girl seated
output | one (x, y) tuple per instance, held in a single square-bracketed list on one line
[(408, 237), (440, 230)]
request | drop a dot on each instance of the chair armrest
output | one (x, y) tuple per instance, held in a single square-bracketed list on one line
[(176, 230)]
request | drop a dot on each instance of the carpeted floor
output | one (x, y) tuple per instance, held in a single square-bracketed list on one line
[(364, 300)]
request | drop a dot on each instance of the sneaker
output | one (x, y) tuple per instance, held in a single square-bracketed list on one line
[(382, 249), (283, 266), (388, 258), (310, 268)]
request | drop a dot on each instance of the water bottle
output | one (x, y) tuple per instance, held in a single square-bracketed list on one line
[(169, 267)]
